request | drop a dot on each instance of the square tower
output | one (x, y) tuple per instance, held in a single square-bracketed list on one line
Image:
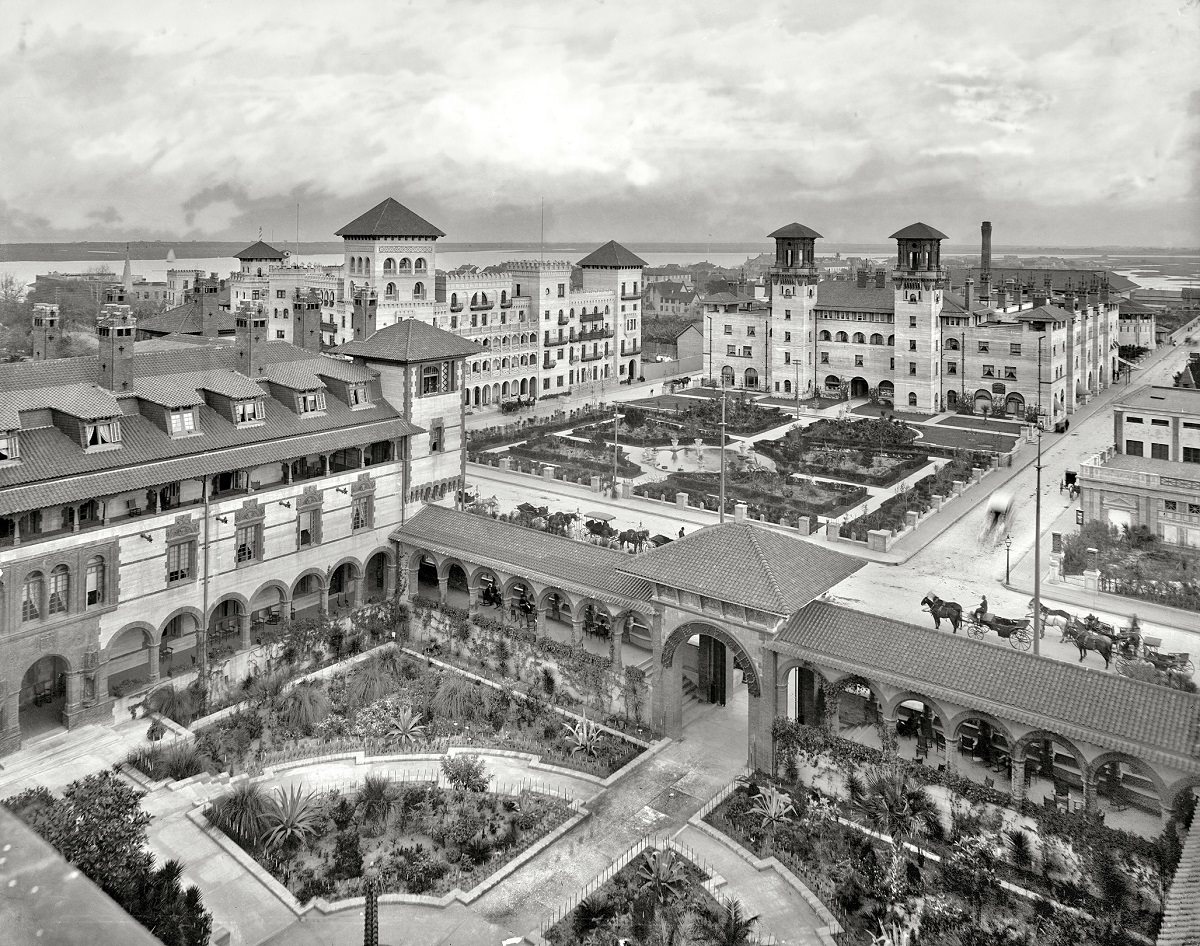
[(392, 250), (919, 282), (615, 269), (791, 362)]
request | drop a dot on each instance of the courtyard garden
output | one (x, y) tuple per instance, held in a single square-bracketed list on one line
[(859, 464), (416, 837), (892, 513), (572, 459), (893, 847), (770, 495), (1135, 563), (657, 899)]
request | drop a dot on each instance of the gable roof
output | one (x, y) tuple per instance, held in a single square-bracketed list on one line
[(745, 564), (186, 319), (918, 231), (578, 568), (259, 250), (1106, 709), (1044, 313), (612, 256), (407, 341), (794, 231), (391, 218)]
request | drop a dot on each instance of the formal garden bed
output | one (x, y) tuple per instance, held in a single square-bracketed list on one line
[(99, 826), (571, 458), (1135, 563), (636, 428), (892, 514), (658, 898), (486, 438), (848, 820), (417, 837), (769, 495), (861, 464)]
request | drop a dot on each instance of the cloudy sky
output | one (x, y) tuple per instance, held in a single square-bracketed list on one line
[(663, 120)]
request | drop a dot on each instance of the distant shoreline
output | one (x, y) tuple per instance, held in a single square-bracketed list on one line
[(114, 252)]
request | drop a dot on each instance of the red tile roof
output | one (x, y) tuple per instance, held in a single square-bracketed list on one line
[(390, 218), (186, 319), (259, 250), (612, 256), (745, 564), (408, 341), (1152, 722), (1181, 913), (843, 295), (580, 569), (918, 231)]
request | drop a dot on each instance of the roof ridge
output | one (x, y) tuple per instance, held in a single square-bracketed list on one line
[(768, 568)]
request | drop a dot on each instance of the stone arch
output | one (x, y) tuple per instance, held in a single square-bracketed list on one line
[(1141, 767), (1020, 750), (317, 573), (443, 567), (282, 587), (742, 658), (236, 596), (189, 610), (346, 560), (905, 696), (545, 594), (149, 635), (956, 723)]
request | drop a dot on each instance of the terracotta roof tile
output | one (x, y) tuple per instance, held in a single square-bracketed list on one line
[(1107, 709), (745, 564), (1181, 912), (612, 256), (185, 320), (409, 340), (85, 401), (918, 231), (259, 250), (390, 218), (794, 231), (840, 294), (578, 568)]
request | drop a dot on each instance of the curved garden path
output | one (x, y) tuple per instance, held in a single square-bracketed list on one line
[(657, 797)]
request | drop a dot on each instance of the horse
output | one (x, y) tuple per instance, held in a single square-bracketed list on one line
[(635, 537), (1052, 617), (1086, 640), (950, 610)]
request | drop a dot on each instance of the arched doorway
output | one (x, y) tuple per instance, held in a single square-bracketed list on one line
[(1128, 792), (1053, 766), (727, 377), (805, 695), (457, 593), (704, 662), (887, 392), (129, 660), (859, 387), (225, 626), (633, 369), (308, 595), (43, 696), (751, 377), (832, 384), (376, 578), (177, 643), (1015, 404), (343, 587), (983, 399), (268, 606), (951, 400), (427, 578)]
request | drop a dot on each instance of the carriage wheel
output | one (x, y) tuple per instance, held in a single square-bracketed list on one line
[(976, 630), (1021, 640), (1120, 663), (1187, 668)]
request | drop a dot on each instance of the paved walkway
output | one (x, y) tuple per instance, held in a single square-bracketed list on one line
[(57, 759), (658, 797)]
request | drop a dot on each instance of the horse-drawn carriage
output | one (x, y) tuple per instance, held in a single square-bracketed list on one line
[(1134, 650), (1014, 630)]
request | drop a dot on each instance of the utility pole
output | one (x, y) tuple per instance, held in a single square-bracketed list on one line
[(710, 361), (616, 451), (1037, 553), (722, 513), (1041, 338)]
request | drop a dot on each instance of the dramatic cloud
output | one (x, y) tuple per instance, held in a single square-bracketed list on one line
[(677, 120)]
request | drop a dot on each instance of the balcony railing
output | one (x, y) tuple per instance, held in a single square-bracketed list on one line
[(458, 307), (595, 334), (549, 362), (631, 349), (592, 316), (594, 356), (506, 303), (564, 320), (482, 306), (627, 296)]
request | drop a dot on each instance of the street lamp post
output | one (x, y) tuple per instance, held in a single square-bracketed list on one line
[(1007, 558), (722, 454), (1037, 552), (616, 451)]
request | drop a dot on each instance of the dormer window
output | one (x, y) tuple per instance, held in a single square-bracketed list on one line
[(248, 412), (100, 434), (8, 446), (360, 396), (183, 422), (310, 402)]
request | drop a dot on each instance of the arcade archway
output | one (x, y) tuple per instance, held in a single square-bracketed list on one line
[(43, 696), (705, 662)]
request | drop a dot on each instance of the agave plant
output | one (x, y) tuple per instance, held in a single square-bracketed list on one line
[(727, 924), (663, 875), (240, 813), (377, 800), (584, 736), (291, 818), (406, 728), (772, 808)]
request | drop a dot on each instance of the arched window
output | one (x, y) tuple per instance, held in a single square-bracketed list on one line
[(503, 362), (405, 265), (367, 266), (503, 296), (475, 366), (419, 291), (483, 300), (487, 366), (912, 400), (390, 292), (952, 344), (876, 339), (841, 337), (859, 338), (389, 266), (485, 342), (454, 300), (32, 592), (60, 590), (606, 310), (94, 582), (787, 387), (891, 340), (824, 336), (572, 313), (420, 265)]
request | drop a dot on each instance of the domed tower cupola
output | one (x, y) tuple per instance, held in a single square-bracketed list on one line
[(795, 247), (919, 254)]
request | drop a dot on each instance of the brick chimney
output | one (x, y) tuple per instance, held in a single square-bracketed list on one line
[(968, 288), (115, 329), (251, 329), (1001, 298), (208, 297), (881, 279), (45, 331), (862, 277), (985, 246), (306, 325), (366, 310), (1040, 299)]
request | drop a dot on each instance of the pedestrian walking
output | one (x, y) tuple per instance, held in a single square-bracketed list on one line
[(681, 532)]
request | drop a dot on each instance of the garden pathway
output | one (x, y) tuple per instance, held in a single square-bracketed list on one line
[(657, 797)]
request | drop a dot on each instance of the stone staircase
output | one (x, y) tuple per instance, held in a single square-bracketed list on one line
[(60, 758)]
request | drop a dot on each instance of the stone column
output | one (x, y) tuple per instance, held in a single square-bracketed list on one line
[(243, 620), (576, 628), (654, 678), (389, 581), (1089, 790), (951, 757), (10, 724), (763, 711), (325, 597), (443, 587), (1018, 776), (888, 733), (473, 590), (154, 668), (618, 633)]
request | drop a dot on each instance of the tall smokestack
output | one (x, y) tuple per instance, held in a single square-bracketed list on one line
[(985, 248)]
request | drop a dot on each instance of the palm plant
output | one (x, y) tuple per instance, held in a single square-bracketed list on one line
[(377, 800), (240, 813), (305, 705), (727, 925), (291, 818), (663, 875), (373, 680), (406, 728), (891, 803), (1020, 847), (175, 704)]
